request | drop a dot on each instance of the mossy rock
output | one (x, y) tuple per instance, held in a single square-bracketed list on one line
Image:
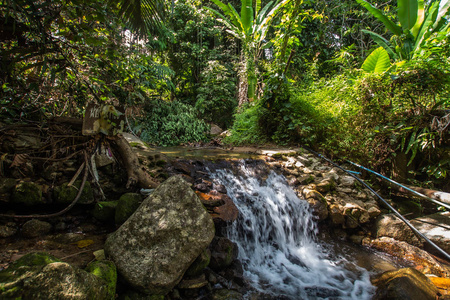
[(108, 272), (27, 193), (42, 276), (65, 195), (199, 264), (126, 206), (7, 185), (105, 210), (11, 279)]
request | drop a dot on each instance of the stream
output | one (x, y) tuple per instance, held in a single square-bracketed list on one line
[(278, 242)]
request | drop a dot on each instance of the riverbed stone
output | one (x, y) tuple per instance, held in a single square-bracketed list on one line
[(405, 284), (42, 276), (104, 211), (390, 225), (65, 194), (107, 271), (127, 205), (157, 244), (7, 230), (414, 256), (27, 193), (223, 252), (200, 263), (34, 228)]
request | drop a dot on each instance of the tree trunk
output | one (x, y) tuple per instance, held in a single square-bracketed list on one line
[(136, 173)]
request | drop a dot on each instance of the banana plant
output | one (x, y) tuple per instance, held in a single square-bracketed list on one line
[(250, 26), (418, 21)]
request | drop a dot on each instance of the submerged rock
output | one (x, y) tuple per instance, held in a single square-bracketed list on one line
[(42, 276), (157, 244), (405, 284)]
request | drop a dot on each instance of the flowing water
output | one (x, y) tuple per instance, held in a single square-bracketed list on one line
[(277, 239)]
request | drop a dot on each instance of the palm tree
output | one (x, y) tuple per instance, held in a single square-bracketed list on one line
[(142, 16), (250, 27)]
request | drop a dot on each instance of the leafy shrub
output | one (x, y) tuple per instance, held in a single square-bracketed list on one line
[(216, 101), (170, 123), (245, 129)]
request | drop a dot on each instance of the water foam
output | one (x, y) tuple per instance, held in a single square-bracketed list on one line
[(276, 237)]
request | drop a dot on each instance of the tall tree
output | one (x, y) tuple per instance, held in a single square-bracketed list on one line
[(251, 28)]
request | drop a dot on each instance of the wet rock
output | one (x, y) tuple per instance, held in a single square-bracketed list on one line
[(42, 276), (391, 226), (106, 270), (126, 206), (326, 185), (223, 252), (193, 283), (336, 215), (225, 214), (225, 294), (305, 180), (104, 210), (220, 188), (210, 200), (158, 243), (317, 202), (203, 186), (418, 258), (27, 193), (65, 194), (200, 263), (34, 228), (405, 284), (8, 230)]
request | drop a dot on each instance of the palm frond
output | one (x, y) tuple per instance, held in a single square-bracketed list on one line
[(142, 16)]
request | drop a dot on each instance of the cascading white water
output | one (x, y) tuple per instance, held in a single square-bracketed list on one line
[(276, 237)]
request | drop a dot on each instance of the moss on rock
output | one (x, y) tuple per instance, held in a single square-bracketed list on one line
[(42, 276), (127, 205), (108, 272), (27, 193), (199, 264), (65, 194), (105, 210)]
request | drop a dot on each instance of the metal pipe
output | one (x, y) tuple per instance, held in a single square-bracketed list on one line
[(417, 232), (405, 187)]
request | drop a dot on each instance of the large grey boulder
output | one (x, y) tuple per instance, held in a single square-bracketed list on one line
[(157, 244)]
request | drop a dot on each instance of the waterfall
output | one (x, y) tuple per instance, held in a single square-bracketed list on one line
[(276, 236)]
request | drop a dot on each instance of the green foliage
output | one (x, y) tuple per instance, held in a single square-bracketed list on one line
[(245, 129), (170, 123), (418, 19), (377, 61), (216, 100), (57, 57)]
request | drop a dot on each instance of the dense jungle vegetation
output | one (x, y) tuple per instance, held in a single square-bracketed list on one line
[(361, 80)]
